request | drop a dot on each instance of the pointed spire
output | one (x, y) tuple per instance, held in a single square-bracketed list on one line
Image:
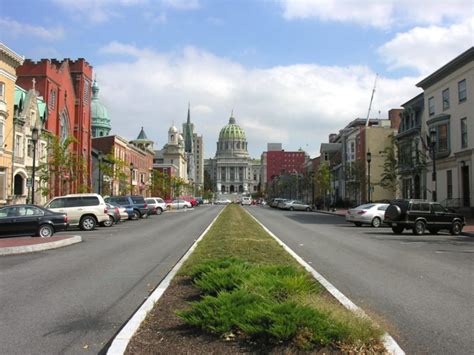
[(189, 113), (142, 135), (232, 119), (95, 89)]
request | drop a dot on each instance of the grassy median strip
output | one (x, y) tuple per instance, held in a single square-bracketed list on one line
[(252, 288)]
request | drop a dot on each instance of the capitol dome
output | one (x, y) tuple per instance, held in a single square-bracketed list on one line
[(232, 140), (100, 117)]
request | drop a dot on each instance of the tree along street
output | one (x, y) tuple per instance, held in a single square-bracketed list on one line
[(76, 298), (420, 288)]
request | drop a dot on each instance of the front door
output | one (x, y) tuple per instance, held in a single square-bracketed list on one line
[(465, 186)]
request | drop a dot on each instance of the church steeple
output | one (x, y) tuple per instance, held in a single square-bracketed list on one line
[(188, 129)]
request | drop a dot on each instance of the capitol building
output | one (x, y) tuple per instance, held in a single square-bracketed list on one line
[(232, 171)]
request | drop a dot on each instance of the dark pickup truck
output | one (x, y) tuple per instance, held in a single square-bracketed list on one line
[(421, 215)]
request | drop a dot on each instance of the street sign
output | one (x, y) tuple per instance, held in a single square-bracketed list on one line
[(28, 182)]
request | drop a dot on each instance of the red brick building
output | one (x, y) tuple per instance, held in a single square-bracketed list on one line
[(66, 88), (279, 162)]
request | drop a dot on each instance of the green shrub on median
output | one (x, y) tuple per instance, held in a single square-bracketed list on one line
[(258, 291)]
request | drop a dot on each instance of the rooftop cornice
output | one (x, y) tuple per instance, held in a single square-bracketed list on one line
[(11, 54)]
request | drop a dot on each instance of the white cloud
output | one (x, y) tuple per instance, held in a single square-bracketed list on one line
[(427, 48), (182, 4), (16, 29), (380, 14), (298, 105)]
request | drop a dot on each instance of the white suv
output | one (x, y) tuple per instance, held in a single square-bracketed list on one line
[(156, 202), (83, 210)]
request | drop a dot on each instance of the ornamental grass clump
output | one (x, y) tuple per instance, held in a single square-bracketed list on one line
[(260, 302)]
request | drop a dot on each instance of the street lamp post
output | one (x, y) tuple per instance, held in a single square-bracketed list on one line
[(131, 178), (369, 159), (34, 140), (433, 157), (100, 157), (312, 190)]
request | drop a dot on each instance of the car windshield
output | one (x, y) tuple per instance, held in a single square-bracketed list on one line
[(150, 200)]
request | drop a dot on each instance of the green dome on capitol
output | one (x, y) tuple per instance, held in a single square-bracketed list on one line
[(100, 117), (232, 131)]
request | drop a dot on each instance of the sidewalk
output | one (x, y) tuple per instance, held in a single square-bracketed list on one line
[(468, 229), (21, 245)]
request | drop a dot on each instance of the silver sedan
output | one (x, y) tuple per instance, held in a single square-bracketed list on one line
[(370, 213), (295, 205)]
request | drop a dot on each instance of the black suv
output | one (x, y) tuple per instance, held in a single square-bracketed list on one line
[(140, 207), (420, 215)]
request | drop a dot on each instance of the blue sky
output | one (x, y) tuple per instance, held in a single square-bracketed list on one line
[(294, 71)]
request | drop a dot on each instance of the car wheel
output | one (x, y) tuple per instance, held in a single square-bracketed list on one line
[(308, 209), (109, 222), (376, 222), (419, 228), (292, 209), (456, 228), (135, 215), (45, 231), (358, 224), (185, 207), (145, 215), (87, 223), (433, 231), (159, 210), (397, 230)]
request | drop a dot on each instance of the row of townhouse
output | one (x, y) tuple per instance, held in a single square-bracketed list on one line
[(431, 138)]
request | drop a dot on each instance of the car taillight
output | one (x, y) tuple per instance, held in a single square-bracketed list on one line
[(361, 212), (117, 210), (66, 219), (146, 205), (106, 210)]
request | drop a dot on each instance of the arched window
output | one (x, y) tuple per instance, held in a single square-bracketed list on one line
[(63, 127), (18, 187), (223, 188), (231, 189)]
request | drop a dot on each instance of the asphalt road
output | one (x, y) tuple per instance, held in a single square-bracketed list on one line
[(74, 299), (421, 289)]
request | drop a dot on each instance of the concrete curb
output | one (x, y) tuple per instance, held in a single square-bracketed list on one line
[(121, 340), (40, 247), (389, 343)]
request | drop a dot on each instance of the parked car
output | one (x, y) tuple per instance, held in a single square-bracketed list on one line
[(83, 210), (222, 201), (179, 204), (281, 203), (294, 205), (137, 203), (24, 220), (125, 212), (158, 203), (246, 201), (420, 215), (114, 216), (369, 213), (274, 202)]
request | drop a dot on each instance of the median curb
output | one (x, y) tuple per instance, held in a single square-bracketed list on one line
[(390, 344), (120, 342), (39, 245)]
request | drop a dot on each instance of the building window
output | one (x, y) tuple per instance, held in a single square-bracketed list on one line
[(443, 138), (464, 133), (445, 99), (19, 146), (30, 149), (64, 127), (449, 180), (431, 107), (462, 94), (52, 100), (2, 90), (86, 91)]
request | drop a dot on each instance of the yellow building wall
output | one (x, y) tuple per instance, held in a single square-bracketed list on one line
[(377, 139), (9, 61)]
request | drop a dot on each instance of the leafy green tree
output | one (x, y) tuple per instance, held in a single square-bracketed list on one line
[(323, 182), (115, 170), (63, 168)]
